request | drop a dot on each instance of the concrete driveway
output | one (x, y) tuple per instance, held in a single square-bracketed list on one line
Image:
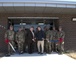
[(35, 64)]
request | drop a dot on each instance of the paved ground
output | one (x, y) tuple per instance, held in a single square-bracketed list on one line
[(36, 64)]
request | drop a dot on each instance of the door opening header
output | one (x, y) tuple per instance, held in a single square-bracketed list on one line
[(33, 17)]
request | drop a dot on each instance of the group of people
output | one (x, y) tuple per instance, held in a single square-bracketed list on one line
[(40, 41)]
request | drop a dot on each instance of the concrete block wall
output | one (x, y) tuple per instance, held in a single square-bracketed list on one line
[(65, 20)]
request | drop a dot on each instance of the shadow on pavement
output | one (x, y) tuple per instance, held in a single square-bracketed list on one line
[(30, 55), (26, 55)]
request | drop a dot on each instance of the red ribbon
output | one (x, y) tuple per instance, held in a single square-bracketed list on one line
[(60, 40), (7, 41)]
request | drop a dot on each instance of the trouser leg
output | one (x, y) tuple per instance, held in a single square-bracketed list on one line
[(20, 47), (59, 48), (62, 47), (10, 51), (33, 46), (42, 46), (24, 47), (52, 46), (50, 50), (56, 46), (47, 48), (30, 47), (38, 46)]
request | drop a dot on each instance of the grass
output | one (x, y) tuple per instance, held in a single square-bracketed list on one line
[(71, 54)]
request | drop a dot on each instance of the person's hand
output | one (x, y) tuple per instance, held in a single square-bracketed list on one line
[(48, 40), (33, 40), (17, 41)]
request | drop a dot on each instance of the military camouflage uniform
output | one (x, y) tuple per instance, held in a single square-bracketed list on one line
[(45, 29), (20, 38), (10, 35), (25, 41), (54, 39), (61, 35), (48, 41)]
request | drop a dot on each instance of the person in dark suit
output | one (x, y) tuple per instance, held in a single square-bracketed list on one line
[(31, 40)]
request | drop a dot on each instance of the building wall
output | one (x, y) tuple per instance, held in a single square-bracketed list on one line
[(3, 22), (65, 21), (70, 29)]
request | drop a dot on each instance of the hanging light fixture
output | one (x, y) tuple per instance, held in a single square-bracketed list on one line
[(73, 19), (21, 23)]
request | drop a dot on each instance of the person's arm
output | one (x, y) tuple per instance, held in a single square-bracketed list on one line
[(36, 35), (6, 35), (47, 36), (63, 35), (43, 35), (16, 37)]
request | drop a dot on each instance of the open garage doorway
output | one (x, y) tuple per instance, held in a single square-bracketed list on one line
[(27, 22)]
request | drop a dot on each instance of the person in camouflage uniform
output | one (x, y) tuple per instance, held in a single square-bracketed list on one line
[(54, 39), (25, 43), (45, 29), (20, 39), (10, 35), (61, 36), (48, 40)]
